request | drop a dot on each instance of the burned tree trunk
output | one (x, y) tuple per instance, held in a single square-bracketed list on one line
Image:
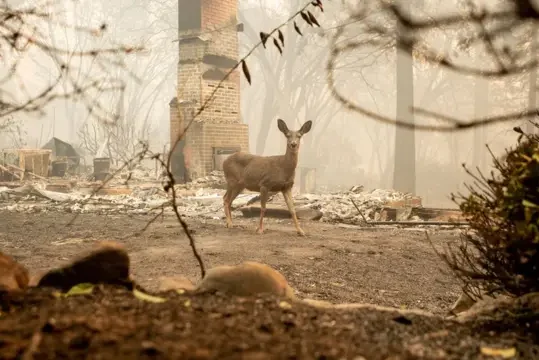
[(404, 175)]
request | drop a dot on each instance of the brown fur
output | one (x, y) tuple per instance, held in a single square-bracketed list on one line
[(247, 279), (13, 276), (265, 174)]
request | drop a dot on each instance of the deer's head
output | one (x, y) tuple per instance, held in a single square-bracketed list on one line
[(293, 137)]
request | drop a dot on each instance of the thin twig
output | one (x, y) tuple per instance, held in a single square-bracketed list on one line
[(416, 28), (150, 222), (360, 212)]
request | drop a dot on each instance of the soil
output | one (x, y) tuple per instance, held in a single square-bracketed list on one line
[(383, 266), (113, 324)]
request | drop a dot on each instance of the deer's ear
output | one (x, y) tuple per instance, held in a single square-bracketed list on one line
[(282, 126), (305, 128)]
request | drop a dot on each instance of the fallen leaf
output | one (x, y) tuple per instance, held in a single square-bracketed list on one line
[(285, 305), (147, 297), (80, 289), (180, 291), (528, 203), (505, 353), (187, 303)]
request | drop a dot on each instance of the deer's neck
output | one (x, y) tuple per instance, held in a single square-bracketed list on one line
[(290, 160)]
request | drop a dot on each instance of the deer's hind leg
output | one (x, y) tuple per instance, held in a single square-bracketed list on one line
[(264, 195), (231, 193)]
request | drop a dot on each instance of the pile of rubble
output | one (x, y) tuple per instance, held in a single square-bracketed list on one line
[(202, 198), (353, 207), (206, 203), (216, 180), (31, 199)]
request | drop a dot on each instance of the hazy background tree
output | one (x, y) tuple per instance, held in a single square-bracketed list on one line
[(347, 147), (45, 64)]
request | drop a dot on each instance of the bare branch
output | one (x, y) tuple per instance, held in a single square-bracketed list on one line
[(25, 32)]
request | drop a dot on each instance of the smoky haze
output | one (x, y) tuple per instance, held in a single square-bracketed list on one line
[(346, 148)]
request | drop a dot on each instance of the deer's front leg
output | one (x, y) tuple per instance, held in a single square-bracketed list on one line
[(287, 194), (264, 194)]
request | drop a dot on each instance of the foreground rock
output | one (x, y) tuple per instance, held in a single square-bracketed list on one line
[(247, 279), (112, 323), (109, 264)]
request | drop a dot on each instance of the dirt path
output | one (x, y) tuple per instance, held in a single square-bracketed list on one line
[(388, 267)]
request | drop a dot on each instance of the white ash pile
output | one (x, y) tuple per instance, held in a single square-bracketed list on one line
[(215, 180), (30, 199), (205, 203), (208, 203), (136, 175), (339, 207)]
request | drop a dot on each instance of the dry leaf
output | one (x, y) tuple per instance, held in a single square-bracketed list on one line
[(246, 71), (180, 291), (306, 18), (276, 43), (264, 37), (187, 303), (297, 29), (281, 37), (312, 18), (147, 297), (505, 353), (318, 3)]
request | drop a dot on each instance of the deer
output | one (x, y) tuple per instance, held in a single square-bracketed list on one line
[(265, 175)]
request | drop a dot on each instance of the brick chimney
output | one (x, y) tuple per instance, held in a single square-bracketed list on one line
[(208, 48)]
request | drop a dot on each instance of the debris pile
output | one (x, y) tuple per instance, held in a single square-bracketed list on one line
[(201, 198), (206, 203), (139, 174), (216, 180), (341, 207), (25, 199)]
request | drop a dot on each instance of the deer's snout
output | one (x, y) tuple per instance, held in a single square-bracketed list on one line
[(294, 144)]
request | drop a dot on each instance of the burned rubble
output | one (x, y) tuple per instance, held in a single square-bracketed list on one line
[(140, 191)]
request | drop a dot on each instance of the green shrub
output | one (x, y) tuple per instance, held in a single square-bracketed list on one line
[(499, 253)]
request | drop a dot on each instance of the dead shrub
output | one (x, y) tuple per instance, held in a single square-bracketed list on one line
[(499, 253)]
